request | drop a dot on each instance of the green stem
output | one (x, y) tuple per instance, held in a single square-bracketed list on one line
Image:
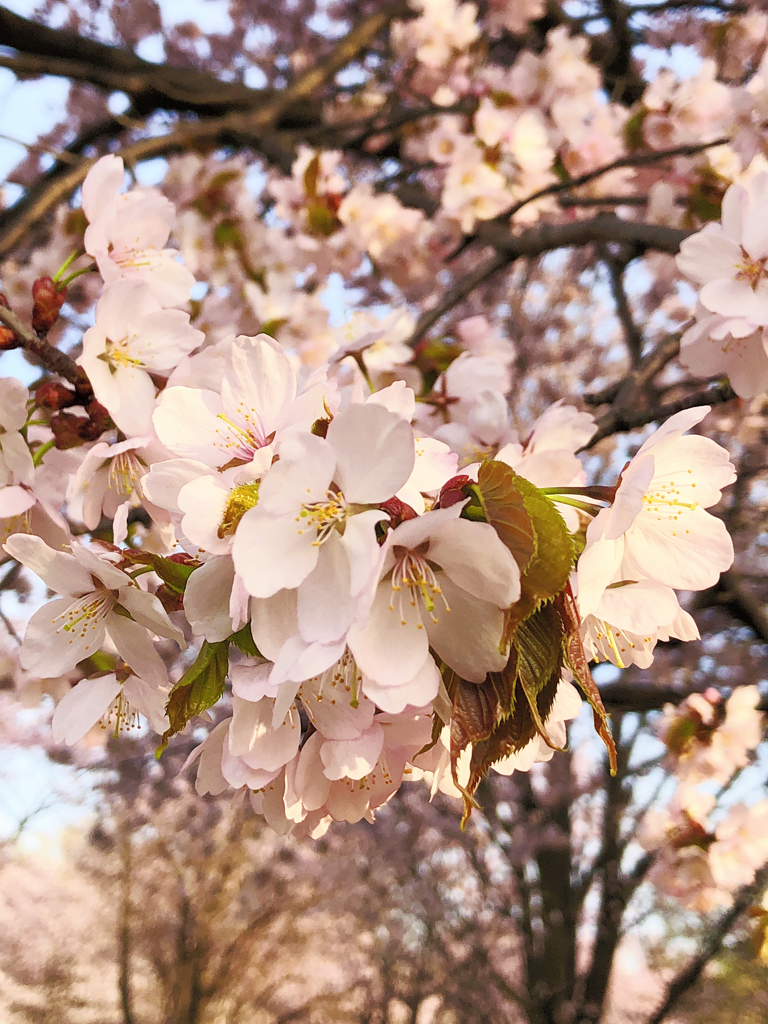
[(37, 456), (67, 263), (591, 510), (77, 273)]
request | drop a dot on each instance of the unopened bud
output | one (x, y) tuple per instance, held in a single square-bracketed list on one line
[(453, 491), (54, 395), (8, 338), (49, 298), (398, 511)]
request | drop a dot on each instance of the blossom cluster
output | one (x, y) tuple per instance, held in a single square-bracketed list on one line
[(372, 595), (709, 847)]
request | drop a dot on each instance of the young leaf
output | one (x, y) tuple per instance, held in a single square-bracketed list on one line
[(578, 663), (539, 643), (504, 506), (198, 689), (243, 641)]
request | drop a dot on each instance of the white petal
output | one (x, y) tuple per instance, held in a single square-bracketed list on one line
[(147, 610), (82, 707), (136, 649), (375, 452), (477, 561), (63, 632), (272, 552), (206, 599), (467, 638), (326, 607), (59, 571), (385, 649), (352, 759), (258, 381), (419, 692)]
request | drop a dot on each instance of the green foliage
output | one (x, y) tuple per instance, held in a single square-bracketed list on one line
[(501, 715), (198, 689)]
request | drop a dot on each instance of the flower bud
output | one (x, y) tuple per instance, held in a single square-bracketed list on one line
[(8, 339), (49, 299), (54, 395)]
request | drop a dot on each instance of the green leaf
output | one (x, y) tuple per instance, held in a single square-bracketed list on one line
[(243, 641), (539, 643), (578, 663), (311, 176), (198, 689), (172, 572), (503, 502), (322, 220)]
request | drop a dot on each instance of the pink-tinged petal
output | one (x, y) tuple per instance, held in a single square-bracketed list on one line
[(273, 552), (143, 220), (15, 500), (18, 458), (274, 621), (676, 425), (419, 692), (326, 607), (628, 502), (258, 381), (597, 567), (352, 759), (687, 553), (398, 398), (252, 736), (414, 532), (165, 480), (101, 185), (708, 255), (336, 707), (237, 773), (210, 778), (747, 367), (299, 660), (206, 599), (641, 607), (63, 632), (467, 638), (130, 400), (250, 680), (136, 649), (204, 502), (121, 306), (375, 452), (477, 561), (310, 783), (692, 470), (150, 700), (147, 610), (13, 404), (58, 570), (732, 297), (120, 523), (359, 540), (189, 423), (112, 577), (387, 650), (302, 476), (81, 708), (732, 213), (162, 338)]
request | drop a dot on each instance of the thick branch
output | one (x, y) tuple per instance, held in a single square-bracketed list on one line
[(254, 128)]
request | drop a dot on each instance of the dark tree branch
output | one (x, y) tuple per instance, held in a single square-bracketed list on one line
[(632, 334), (632, 160), (52, 359)]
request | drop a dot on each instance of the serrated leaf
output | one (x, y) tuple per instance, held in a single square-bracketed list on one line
[(243, 641), (550, 568), (503, 503), (539, 643), (197, 690), (578, 663), (173, 573)]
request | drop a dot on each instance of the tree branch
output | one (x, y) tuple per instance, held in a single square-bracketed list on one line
[(53, 359), (632, 334), (691, 973)]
